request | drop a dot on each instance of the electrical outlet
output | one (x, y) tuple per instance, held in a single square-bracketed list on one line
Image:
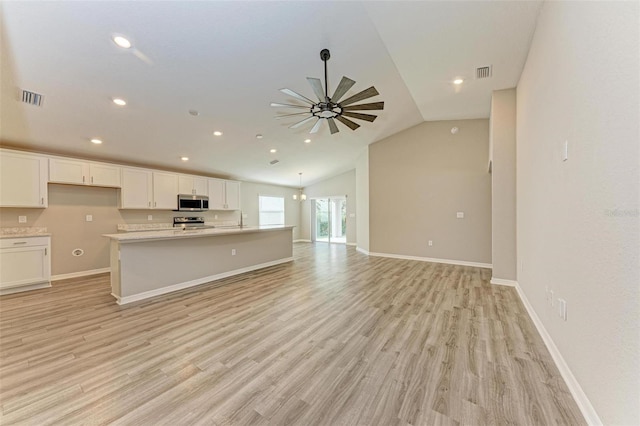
[(352, 215), (22, 219), (430, 243), (233, 252), (215, 216), (149, 217), (460, 215), (562, 308), (244, 215), (89, 218)]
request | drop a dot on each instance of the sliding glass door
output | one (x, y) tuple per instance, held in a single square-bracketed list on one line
[(330, 219)]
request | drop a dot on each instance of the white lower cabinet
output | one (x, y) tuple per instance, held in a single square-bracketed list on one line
[(24, 262)]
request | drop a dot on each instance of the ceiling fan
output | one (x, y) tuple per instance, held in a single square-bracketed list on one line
[(331, 108)]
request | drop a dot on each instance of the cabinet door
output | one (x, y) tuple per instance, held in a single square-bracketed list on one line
[(136, 189), (232, 193), (22, 266), (104, 174), (68, 171), (185, 185), (200, 186), (216, 194), (165, 191), (23, 180)]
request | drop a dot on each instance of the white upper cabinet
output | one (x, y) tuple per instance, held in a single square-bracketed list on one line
[(83, 173), (165, 191), (136, 192), (23, 180), (193, 185), (224, 194)]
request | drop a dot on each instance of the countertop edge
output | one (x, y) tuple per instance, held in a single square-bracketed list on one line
[(142, 236)]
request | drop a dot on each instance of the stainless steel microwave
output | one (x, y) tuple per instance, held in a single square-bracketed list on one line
[(192, 203)]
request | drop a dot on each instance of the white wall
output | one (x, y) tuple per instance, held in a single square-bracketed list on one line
[(249, 196), (578, 221), (362, 200), (344, 184)]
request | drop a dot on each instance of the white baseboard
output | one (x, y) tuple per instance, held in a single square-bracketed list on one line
[(429, 259), (500, 281), (20, 289), (79, 274), (363, 251), (180, 286), (301, 241), (578, 394), (351, 244)]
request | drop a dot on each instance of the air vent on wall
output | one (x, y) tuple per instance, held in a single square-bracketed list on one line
[(272, 162), (483, 72), (32, 98)]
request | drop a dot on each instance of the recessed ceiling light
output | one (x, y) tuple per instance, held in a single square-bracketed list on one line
[(458, 81), (307, 141), (122, 42), (273, 150), (259, 136), (184, 158), (119, 102), (217, 133), (96, 141)]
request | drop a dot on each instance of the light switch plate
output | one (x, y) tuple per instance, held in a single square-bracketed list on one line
[(89, 218), (22, 219), (149, 217), (460, 215)]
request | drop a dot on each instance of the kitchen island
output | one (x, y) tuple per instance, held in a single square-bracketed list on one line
[(150, 263)]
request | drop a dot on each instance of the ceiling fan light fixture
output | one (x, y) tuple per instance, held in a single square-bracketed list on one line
[(331, 108)]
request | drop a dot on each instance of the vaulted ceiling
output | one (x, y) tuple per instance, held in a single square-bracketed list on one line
[(227, 61)]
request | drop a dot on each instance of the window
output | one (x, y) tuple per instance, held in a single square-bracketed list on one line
[(271, 210)]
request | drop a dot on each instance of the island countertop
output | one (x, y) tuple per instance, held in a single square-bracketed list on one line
[(177, 233)]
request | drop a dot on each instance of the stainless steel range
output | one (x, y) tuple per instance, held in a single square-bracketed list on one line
[(192, 222)]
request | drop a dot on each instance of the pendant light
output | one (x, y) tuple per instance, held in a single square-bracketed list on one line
[(300, 194)]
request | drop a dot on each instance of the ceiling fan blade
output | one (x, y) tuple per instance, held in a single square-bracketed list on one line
[(316, 126), (361, 107), (343, 87), (332, 126), (359, 116), (300, 123), (350, 124), (316, 85), (278, 117), (367, 93), (297, 96), (274, 104)]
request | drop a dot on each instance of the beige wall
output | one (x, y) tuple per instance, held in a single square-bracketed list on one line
[(578, 221), (419, 178), (69, 204), (341, 185), (503, 184), (362, 200)]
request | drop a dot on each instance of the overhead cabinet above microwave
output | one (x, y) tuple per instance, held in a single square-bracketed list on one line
[(77, 172)]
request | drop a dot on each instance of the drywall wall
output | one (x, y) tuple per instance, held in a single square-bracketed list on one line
[(419, 179), (362, 200), (65, 219), (249, 196), (503, 184), (341, 185), (578, 220)]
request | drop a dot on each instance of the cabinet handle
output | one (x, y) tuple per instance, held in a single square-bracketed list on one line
[(82, 179), (91, 179), (19, 242), (45, 251), (42, 201), (155, 204), (149, 203)]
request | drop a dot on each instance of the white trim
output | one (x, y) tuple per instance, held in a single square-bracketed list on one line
[(363, 251), (430, 259), (586, 408), (500, 281), (301, 241), (21, 288), (175, 287), (351, 244), (79, 274)]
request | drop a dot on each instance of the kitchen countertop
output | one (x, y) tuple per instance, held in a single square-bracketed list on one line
[(131, 237), (24, 232)]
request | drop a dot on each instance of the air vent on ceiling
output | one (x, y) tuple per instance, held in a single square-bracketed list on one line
[(272, 162), (483, 72), (32, 98)]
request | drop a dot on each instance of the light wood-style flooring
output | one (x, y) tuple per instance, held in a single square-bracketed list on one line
[(333, 338)]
